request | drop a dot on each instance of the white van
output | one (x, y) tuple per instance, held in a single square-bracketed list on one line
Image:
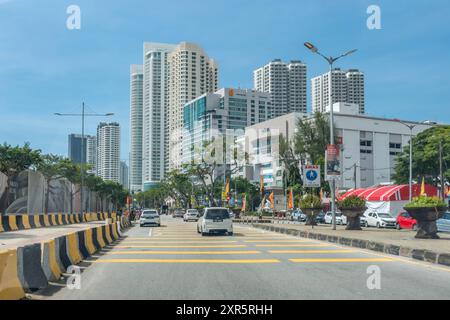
[(215, 220)]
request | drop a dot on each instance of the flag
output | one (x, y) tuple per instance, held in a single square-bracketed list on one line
[(263, 201), (321, 195), (244, 203), (227, 186), (272, 200), (422, 190), (291, 200), (261, 185)]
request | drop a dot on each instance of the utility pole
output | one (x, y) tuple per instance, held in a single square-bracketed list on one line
[(441, 171), (354, 175)]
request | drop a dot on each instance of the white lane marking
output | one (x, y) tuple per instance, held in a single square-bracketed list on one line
[(150, 232)]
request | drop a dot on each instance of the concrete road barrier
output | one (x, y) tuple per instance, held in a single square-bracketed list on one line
[(50, 263), (10, 285), (89, 242), (73, 251), (12, 221), (108, 233), (30, 272), (82, 247), (26, 222), (100, 239)]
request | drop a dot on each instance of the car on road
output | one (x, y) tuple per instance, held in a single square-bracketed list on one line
[(298, 215), (215, 220), (340, 218), (178, 213), (320, 217), (191, 215), (380, 220), (149, 217), (443, 224), (405, 221)]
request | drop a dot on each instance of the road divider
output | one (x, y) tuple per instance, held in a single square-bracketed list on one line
[(10, 285), (30, 272), (50, 258)]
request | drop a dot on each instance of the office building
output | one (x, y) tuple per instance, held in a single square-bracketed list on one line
[(87, 153), (286, 82), (108, 151), (136, 126), (347, 86), (191, 74)]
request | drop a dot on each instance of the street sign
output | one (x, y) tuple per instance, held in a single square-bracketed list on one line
[(311, 176), (333, 163)]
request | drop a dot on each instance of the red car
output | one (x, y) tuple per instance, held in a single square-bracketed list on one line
[(405, 221)]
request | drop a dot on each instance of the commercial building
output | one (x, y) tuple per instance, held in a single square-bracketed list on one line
[(286, 82), (222, 113), (369, 146), (124, 174), (347, 85), (78, 154), (191, 74), (108, 151)]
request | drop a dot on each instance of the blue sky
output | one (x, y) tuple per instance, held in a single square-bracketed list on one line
[(46, 68)]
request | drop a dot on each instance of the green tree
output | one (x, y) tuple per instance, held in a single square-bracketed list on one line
[(14, 160), (50, 167), (425, 157)]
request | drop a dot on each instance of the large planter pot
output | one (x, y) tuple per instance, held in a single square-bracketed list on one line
[(426, 221), (353, 217), (311, 215)]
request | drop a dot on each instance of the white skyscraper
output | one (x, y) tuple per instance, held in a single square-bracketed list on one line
[(348, 87), (108, 151), (191, 74), (286, 82), (136, 126), (124, 174), (155, 106), (91, 153)]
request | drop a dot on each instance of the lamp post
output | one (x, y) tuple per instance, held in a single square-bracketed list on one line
[(330, 60), (411, 128), (82, 115)]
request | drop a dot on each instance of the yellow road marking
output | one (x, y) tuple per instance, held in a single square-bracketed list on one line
[(184, 247), (311, 251), (341, 260), (187, 261), (291, 245), (177, 242), (184, 252), (277, 241)]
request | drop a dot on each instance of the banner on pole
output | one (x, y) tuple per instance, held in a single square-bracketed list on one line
[(333, 163)]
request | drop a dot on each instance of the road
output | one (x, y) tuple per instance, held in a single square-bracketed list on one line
[(174, 262)]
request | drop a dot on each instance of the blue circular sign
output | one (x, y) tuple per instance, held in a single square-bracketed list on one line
[(311, 175)]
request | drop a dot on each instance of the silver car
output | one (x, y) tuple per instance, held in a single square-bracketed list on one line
[(443, 224), (191, 215), (150, 217)]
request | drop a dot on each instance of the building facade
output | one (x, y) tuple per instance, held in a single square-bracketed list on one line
[(347, 87), (136, 126), (155, 109), (225, 113), (191, 74), (108, 151), (369, 147), (124, 174), (79, 150), (286, 82)]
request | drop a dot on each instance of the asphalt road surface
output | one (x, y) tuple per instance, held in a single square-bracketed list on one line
[(175, 262)]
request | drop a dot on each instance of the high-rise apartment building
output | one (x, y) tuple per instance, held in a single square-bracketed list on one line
[(155, 108), (286, 82), (347, 87), (124, 174), (108, 151), (222, 113), (79, 150), (191, 74), (136, 126)]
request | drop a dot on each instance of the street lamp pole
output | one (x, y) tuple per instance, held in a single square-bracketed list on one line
[(83, 115), (331, 62)]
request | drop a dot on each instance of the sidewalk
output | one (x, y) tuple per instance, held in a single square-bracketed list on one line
[(14, 239), (395, 242)]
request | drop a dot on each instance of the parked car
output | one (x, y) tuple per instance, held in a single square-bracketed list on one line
[(443, 224), (362, 220), (380, 220), (215, 220), (191, 215), (320, 217), (178, 213), (405, 221), (340, 218), (298, 215), (149, 217)]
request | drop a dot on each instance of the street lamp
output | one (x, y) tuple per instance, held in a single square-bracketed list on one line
[(82, 115), (330, 61), (411, 128)]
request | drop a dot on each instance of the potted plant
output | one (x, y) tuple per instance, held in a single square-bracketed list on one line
[(311, 206), (426, 210), (353, 208)]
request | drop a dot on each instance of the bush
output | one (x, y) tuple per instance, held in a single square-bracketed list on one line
[(426, 202), (351, 202), (310, 201)]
